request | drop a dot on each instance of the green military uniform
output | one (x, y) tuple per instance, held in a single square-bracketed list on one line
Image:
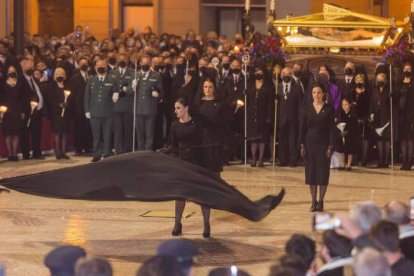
[(98, 102), (123, 111)]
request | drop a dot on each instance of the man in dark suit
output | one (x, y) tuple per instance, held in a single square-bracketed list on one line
[(233, 97), (34, 104), (123, 105), (98, 107), (290, 101), (299, 77), (399, 213), (148, 87), (82, 128), (347, 84)]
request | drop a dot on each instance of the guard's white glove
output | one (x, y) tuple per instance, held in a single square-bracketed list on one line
[(155, 94), (88, 115), (124, 88), (134, 84), (115, 97), (371, 117)]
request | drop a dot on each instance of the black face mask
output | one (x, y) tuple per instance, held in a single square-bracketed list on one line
[(60, 79), (112, 60), (145, 67), (349, 71), (407, 74), (63, 57), (360, 85), (238, 41), (84, 67), (258, 76), (157, 68), (286, 79), (29, 72), (12, 75), (236, 71), (380, 84), (101, 70), (203, 70), (169, 66), (226, 66), (122, 64), (297, 74)]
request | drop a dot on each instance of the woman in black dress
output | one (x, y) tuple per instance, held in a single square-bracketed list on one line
[(317, 136), (347, 129), (59, 110), (405, 99), (380, 118), (186, 142), (361, 97), (259, 114), (11, 96)]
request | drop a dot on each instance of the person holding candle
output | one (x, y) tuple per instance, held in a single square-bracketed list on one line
[(58, 102), (12, 111)]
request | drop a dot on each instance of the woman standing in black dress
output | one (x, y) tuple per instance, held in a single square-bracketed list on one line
[(405, 100), (317, 136), (259, 115), (380, 118), (361, 97), (12, 97), (59, 111), (186, 142)]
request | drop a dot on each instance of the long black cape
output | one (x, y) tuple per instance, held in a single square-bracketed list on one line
[(144, 176)]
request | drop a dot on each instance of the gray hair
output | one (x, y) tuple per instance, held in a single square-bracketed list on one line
[(365, 215), (93, 267), (370, 262), (398, 212)]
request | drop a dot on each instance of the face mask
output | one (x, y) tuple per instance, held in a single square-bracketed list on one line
[(145, 67), (297, 74), (286, 79), (380, 84), (168, 66), (60, 79), (360, 85), (226, 66), (191, 72), (407, 74), (236, 71), (203, 70), (12, 75), (258, 76), (157, 68), (112, 60), (122, 64), (238, 41), (349, 71), (84, 67), (101, 70), (29, 72)]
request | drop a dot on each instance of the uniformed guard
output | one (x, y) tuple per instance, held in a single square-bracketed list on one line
[(148, 89), (123, 105), (99, 108)]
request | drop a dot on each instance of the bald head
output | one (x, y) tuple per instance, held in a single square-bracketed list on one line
[(397, 212)]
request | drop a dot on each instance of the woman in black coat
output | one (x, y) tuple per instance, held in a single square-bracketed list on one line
[(259, 114), (59, 111), (361, 98), (404, 92), (317, 137), (11, 96)]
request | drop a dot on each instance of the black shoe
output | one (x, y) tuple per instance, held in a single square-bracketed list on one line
[(65, 156), (25, 157), (10, 158), (341, 168), (39, 157), (14, 158), (282, 164), (178, 230), (58, 156), (261, 165), (206, 232), (253, 164), (349, 169), (319, 206), (96, 159), (313, 206)]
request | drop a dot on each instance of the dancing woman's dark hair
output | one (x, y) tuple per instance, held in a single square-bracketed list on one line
[(182, 101)]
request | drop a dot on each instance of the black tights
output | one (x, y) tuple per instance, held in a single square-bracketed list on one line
[(314, 192), (253, 147), (179, 209), (407, 150), (60, 144), (383, 148)]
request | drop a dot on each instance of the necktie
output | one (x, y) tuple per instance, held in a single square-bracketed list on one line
[(286, 91), (32, 85)]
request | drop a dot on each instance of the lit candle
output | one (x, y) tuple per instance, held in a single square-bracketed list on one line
[(273, 5), (3, 109), (247, 5), (412, 6)]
